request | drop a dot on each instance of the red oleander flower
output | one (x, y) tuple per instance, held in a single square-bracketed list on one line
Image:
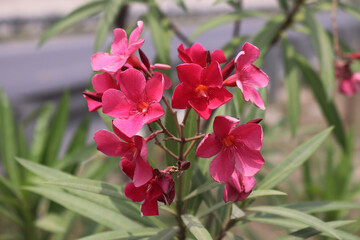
[(349, 82), (198, 55), (120, 52), (161, 187), (200, 88), (101, 82), (247, 76), (235, 147), (136, 104), (132, 149), (238, 187)]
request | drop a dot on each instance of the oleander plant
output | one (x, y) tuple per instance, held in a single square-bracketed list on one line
[(198, 159)]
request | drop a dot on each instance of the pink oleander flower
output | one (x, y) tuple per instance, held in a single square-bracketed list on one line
[(247, 76), (120, 52), (101, 82), (161, 187), (132, 149), (238, 187), (235, 147), (136, 104), (349, 82), (200, 88), (198, 55)]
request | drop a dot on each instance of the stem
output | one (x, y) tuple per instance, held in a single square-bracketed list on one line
[(186, 116), (189, 149), (194, 138), (237, 23), (289, 20), (335, 30), (173, 114), (167, 132), (179, 210), (158, 142), (227, 227)]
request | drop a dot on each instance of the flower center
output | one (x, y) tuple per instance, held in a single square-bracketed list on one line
[(142, 107), (201, 90), (228, 141)]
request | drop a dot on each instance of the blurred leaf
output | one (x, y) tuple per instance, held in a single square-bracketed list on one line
[(182, 4), (292, 86), (6, 212), (70, 20), (79, 138), (298, 216), (225, 18), (195, 227), (351, 9), (284, 5), (230, 48), (293, 161), (305, 233), (328, 107), (213, 208), (324, 52), (232, 236), (138, 233), (323, 206), (265, 36), (43, 171), (166, 234), (90, 186), (57, 130), (160, 33), (51, 223), (40, 135), (86, 208), (236, 212), (276, 221), (265, 192), (110, 10), (22, 141), (7, 141), (106, 119), (78, 156), (201, 189)]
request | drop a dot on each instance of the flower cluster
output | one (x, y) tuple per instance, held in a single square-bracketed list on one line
[(349, 82), (129, 89)]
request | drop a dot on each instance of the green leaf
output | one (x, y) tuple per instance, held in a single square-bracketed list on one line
[(90, 186), (201, 189), (51, 223), (265, 192), (70, 20), (328, 107), (57, 130), (39, 140), (351, 9), (86, 208), (324, 52), (305, 233), (8, 141), (79, 138), (323, 206), (213, 208), (284, 5), (292, 85), (106, 119), (225, 18), (256, 112), (160, 32), (110, 11), (166, 234), (195, 227), (298, 216), (293, 161), (236, 212), (6, 212), (281, 222), (123, 235)]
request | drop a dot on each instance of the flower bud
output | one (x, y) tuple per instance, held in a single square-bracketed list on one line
[(185, 165)]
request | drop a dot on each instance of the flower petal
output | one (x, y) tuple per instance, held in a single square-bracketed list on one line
[(223, 125), (251, 74), (181, 96), (218, 55), (222, 166), (137, 194), (129, 126), (200, 105), (150, 208), (103, 81), (109, 144), (134, 36), (119, 45), (189, 73), (248, 162), (106, 62), (143, 172), (127, 167), (249, 53), (251, 93), (154, 88), (211, 75), (154, 112), (93, 105), (198, 54), (209, 146), (218, 97), (182, 54), (132, 84), (116, 104), (250, 134)]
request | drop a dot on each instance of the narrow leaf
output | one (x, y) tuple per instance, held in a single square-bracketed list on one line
[(298, 216), (195, 227), (236, 212), (122, 234), (323, 206), (70, 20), (265, 192), (293, 161), (166, 234), (201, 189), (51, 223)]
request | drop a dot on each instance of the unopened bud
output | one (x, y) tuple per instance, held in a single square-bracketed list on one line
[(185, 165)]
